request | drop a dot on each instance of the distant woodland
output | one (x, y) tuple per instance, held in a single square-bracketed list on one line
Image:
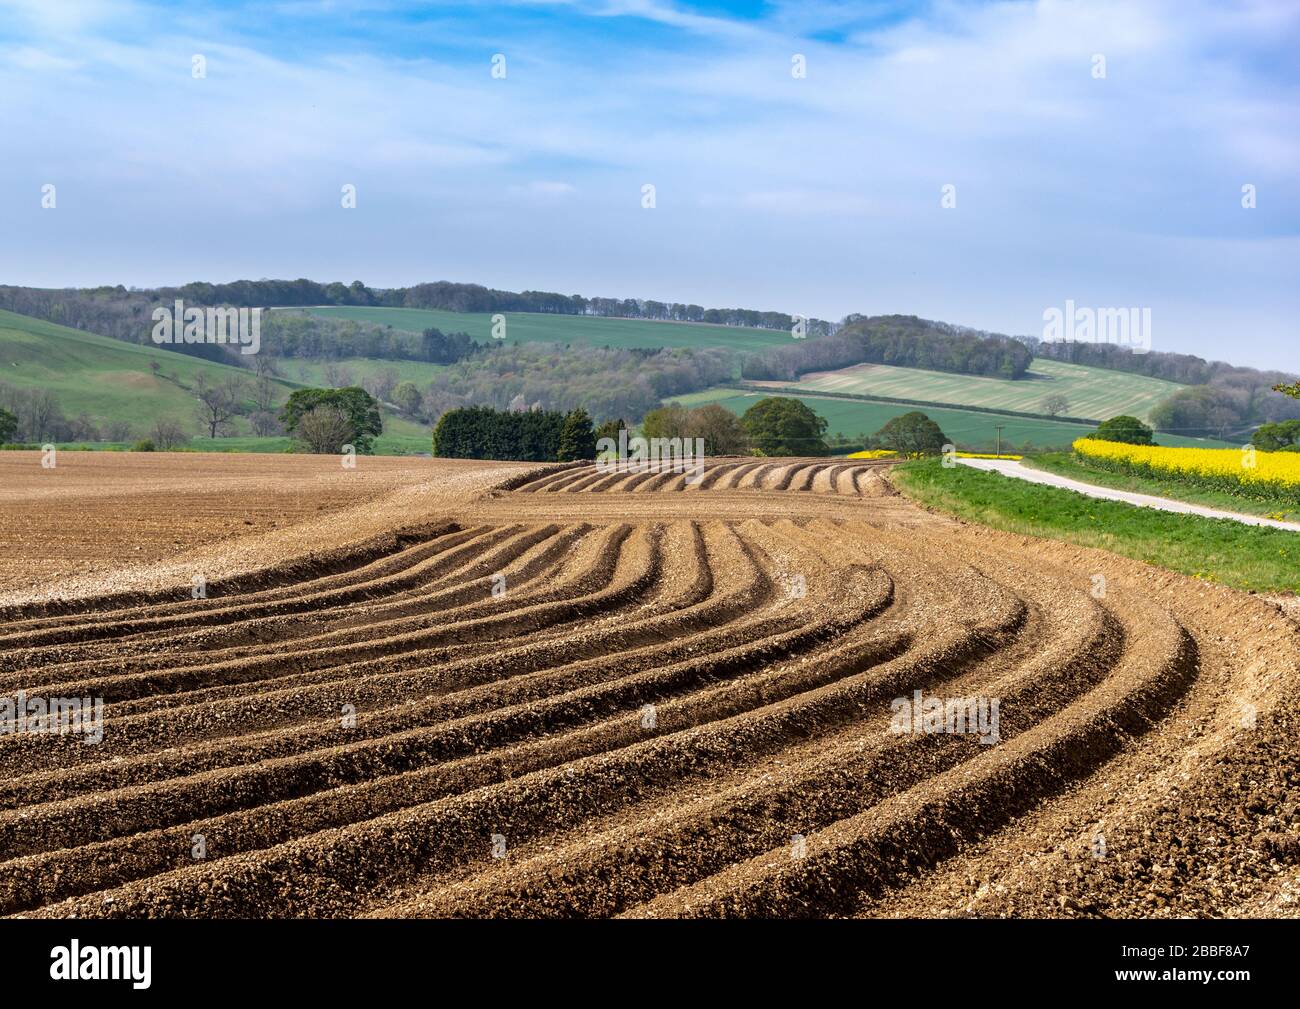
[(1220, 400)]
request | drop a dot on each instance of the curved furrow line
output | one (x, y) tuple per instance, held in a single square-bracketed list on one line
[(634, 480), (682, 481), (754, 479), (471, 720), (822, 480), (856, 858), (386, 565), (576, 600), (211, 616), (542, 799), (664, 846), (475, 599), (531, 482), (568, 480), (607, 481), (132, 677), (709, 473), (282, 579), (782, 477), (591, 474), (734, 475), (842, 480), (432, 585), (693, 610), (808, 481), (714, 471), (659, 477)]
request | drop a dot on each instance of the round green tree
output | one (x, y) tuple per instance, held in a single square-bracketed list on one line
[(913, 435), (1126, 429), (780, 425)]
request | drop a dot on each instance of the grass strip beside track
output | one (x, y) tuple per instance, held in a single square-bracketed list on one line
[(1068, 465), (1244, 557)]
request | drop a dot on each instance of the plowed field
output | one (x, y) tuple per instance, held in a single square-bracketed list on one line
[(503, 690)]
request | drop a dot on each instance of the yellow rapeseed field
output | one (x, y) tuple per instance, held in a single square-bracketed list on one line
[(887, 453), (1244, 471)]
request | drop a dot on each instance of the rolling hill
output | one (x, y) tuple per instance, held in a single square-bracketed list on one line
[(1092, 393), (108, 379), (540, 327), (112, 380)]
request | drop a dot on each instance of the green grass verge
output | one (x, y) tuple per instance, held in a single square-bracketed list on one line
[(1215, 550), (1067, 464)]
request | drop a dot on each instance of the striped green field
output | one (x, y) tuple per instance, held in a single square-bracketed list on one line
[(1093, 393), (531, 327), (967, 428)]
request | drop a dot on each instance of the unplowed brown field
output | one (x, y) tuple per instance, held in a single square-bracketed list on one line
[(476, 689)]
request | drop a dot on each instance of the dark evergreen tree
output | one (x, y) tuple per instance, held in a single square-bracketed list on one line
[(577, 437)]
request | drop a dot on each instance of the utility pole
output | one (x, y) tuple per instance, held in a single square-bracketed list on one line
[(998, 453)]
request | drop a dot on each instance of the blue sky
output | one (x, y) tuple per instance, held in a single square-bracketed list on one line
[(818, 196)]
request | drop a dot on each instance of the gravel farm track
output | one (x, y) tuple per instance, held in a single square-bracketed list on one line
[(442, 688)]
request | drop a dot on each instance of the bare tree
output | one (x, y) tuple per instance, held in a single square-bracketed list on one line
[(337, 376), (167, 434), (1055, 405), (263, 418), (219, 403), (265, 423), (324, 430), (83, 428), (42, 417), (117, 430), (265, 365), (382, 383), (264, 394)]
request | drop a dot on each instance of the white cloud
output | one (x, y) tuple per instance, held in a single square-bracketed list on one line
[(773, 191)]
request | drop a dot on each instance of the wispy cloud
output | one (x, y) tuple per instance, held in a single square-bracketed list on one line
[(818, 194)]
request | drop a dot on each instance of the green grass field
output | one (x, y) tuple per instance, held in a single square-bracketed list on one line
[(1067, 464), (536, 327), (108, 379), (1218, 550), (310, 371), (1093, 393), (112, 380), (968, 429)]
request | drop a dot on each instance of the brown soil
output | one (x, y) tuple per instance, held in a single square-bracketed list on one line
[(490, 689)]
